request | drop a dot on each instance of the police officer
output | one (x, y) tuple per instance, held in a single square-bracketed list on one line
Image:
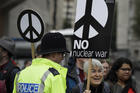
[(45, 75)]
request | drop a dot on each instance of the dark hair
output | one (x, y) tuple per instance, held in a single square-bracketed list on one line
[(71, 61), (26, 61), (116, 66)]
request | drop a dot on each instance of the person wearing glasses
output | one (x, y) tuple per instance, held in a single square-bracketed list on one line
[(45, 75), (120, 77)]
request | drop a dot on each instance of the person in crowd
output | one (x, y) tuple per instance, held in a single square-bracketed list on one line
[(97, 85), (8, 68), (106, 66), (27, 63), (120, 77), (45, 75), (75, 74)]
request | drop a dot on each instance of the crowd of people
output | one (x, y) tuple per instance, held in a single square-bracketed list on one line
[(44, 74)]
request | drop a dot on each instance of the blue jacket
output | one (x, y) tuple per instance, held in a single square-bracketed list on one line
[(73, 78)]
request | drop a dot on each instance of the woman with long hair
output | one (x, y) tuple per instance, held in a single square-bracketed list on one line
[(120, 77)]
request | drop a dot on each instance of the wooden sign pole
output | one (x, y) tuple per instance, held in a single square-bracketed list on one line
[(33, 50), (89, 74)]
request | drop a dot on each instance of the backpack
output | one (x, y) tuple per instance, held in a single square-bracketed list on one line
[(4, 75)]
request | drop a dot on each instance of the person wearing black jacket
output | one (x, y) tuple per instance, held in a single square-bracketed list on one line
[(97, 85), (8, 68), (120, 77)]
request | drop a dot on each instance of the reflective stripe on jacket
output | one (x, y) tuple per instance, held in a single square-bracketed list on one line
[(43, 76)]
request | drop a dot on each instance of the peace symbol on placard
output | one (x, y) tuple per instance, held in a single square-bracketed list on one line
[(90, 20), (30, 25)]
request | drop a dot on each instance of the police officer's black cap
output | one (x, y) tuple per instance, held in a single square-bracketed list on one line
[(53, 42)]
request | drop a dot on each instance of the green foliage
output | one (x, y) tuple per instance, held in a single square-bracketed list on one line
[(136, 26)]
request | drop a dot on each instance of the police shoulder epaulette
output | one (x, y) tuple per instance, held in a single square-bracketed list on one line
[(54, 71)]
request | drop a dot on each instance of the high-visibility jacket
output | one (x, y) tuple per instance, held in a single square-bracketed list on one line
[(43, 76)]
